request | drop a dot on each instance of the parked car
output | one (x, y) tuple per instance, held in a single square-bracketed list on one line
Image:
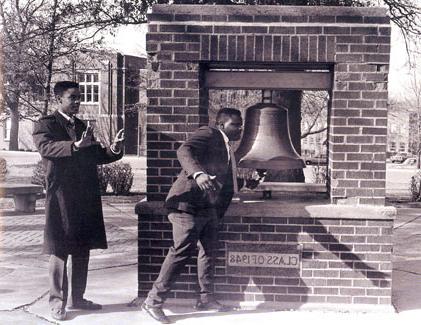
[(397, 159), (316, 160)]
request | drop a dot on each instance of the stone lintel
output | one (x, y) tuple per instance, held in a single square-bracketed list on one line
[(274, 10)]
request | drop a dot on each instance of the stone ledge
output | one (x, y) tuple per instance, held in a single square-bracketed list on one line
[(269, 10), (315, 207)]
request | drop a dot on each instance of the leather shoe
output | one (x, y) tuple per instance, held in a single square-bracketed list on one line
[(212, 305), (85, 305), (156, 313), (58, 314)]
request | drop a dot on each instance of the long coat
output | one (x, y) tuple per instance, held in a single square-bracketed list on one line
[(204, 151), (74, 220)]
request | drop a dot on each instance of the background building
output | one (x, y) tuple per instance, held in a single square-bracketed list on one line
[(113, 88)]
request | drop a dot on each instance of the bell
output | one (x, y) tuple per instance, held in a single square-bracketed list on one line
[(266, 142)]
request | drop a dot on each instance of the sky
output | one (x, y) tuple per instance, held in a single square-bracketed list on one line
[(131, 40)]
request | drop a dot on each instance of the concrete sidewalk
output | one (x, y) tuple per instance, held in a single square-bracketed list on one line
[(112, 278)]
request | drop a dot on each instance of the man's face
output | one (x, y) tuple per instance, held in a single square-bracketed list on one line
[(233, 127), (69, 101)]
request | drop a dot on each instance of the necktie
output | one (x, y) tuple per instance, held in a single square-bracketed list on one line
[(234, 169), (71, 128)]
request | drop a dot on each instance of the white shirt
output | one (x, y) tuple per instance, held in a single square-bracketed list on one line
[(67, 117)]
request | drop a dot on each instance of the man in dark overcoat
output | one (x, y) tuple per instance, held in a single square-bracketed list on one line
[(74, 220), (196, 201)]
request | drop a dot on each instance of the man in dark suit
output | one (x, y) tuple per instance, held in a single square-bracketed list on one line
[(196, 201), (74, 220)]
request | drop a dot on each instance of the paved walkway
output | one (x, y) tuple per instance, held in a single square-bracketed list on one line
[(113, 276)]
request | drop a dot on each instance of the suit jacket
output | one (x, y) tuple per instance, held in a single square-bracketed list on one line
[(73, 209), (204, 151)]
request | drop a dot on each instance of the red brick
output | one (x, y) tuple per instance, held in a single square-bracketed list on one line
[(294, 19), (345, 148), (360, 86), (377, 58), (240, 18), (321, 19), (373, 166), (266, 18), (267, 48), (186, 56), (374, 113), (172, 28), (336, 30), (309, 30), (359, 174), (360, 121), (377, 39), (240, 48), (250, 48), (158, 37), (375, 95), (172, 84), (232, 47), (294, 50), (349, 58), (362, 67), (359, 139), (254, 29), (360, 104), (222, 48), (287, 30), (364, 30), (361, 48), (375, 131), (258, 48), (345, 130), (322, 49), (359, 156)]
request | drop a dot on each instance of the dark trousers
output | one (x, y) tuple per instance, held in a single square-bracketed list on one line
[(189, 231), (59, 274)]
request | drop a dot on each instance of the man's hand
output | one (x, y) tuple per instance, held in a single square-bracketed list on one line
[(86, 140), (118, 141), (206, 182)]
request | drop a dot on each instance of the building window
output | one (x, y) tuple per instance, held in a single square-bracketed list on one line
[(402, 147), (7, 125), (392, 146), (89, 87)]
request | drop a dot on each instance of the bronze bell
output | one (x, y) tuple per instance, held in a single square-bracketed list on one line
[(266, 142)]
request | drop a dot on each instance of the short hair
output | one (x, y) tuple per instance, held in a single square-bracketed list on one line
[(226, 113), (61, 86)]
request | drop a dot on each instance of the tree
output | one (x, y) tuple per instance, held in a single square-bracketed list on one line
[(37, 34)]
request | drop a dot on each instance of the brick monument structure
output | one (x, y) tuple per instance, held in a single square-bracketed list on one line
[(335, 250)]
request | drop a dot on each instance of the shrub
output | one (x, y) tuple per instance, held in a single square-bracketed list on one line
[(3, 169), (38, 175), (414, 187), (104, 172), (121, 178)]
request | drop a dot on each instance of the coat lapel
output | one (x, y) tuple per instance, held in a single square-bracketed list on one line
[(66, 125)]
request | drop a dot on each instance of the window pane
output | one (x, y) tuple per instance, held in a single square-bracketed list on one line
[(88, 93), (82, 93), (96, 93), (95, 77)]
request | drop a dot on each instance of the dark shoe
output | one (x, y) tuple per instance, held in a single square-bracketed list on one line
[(212, 306), (156, 313), (85, 305), (58, 314)]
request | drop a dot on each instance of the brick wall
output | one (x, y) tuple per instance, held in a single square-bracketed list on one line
[(353, 42), (346, 253)]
